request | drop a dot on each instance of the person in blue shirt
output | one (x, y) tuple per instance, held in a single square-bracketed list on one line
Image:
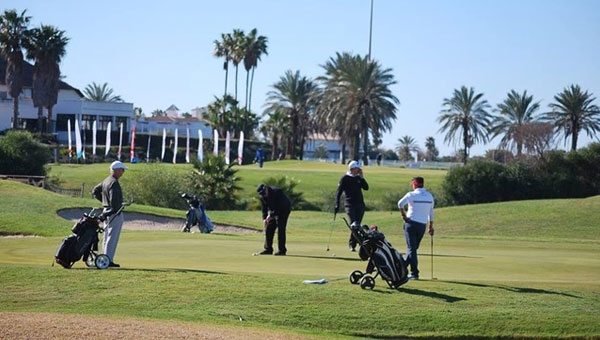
[(260, 157)]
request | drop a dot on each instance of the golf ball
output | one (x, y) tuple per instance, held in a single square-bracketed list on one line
[(333, 255), (254, 254)]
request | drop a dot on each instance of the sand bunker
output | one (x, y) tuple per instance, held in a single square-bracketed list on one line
[(137, 221)]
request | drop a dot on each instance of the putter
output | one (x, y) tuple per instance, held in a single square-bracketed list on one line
[(330, 233), (433, 278)]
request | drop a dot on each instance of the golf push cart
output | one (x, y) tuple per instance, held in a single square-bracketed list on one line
[(384, 260), (83, 243)]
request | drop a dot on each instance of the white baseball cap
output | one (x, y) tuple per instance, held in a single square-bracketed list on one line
[(118, 165), (353, 164)]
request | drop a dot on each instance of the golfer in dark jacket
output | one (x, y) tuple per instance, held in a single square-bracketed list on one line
[(352, 184), (276, 208)]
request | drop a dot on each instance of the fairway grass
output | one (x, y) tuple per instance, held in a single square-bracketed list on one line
[(508, 270)]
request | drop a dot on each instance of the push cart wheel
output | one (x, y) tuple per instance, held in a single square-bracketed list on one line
[(90, 261), (367, 281), (355, 277), (102, 261)]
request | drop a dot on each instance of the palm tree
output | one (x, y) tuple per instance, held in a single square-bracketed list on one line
[(574, 112), (254, 49), (357, 99), (515, 111), (405, 146), (293, 96), (46, 45), (97, 93), (432, 151), (12, 33), (237, 53), (275, 127), (221, 113), (223, 50), (466, 116)]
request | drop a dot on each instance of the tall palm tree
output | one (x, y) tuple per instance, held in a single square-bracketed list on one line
[(573, 112), (46, 46), (222, 49), (405, 146), (237, 53), (12, 33), (275, 127), (357, 99), (432, 151), (515, 111), (255, 47), (465, 118), (221, 113), (293, 96), (97, 93)]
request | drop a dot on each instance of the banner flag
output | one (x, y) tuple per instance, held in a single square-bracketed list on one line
[(132, 149), (241, 148), (77, 139), (94, 131), (69, 135), (187, 146), (175, 146), (216, 142), (162, 153), (108, 130), (120, 140), (148, 148), (200, 151), (227, 140)]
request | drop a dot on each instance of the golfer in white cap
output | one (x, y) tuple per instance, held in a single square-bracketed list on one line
[(352, 184), (109, 193)]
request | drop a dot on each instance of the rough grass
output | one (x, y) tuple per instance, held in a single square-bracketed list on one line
[(505, 270)]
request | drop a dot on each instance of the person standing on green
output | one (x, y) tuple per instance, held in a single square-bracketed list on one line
[(352, 184)]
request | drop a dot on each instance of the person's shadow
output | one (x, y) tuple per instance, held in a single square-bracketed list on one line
[(440, 296), (513, 289)]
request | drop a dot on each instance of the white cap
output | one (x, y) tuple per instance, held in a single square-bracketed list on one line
[(118, 165), (353, 164)]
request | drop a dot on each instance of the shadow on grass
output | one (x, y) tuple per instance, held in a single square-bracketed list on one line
[(444, 297), (160, 270), (513, 289), (326, 257)]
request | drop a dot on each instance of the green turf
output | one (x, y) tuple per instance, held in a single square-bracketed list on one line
[(316, 180), (508, 270)]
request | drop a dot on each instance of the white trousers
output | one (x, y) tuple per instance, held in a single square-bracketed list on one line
[(111, 236)]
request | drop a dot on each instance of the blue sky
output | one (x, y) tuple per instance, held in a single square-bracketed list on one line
[(155, 54)]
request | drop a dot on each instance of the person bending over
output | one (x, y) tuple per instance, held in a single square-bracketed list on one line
[(276, 208)]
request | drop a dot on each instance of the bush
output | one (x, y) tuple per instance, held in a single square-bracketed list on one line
[(214, 182), (287, 184), (20, 154), (158, 187)]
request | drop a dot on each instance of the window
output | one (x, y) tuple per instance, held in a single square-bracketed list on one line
[(61, 121), (103, 122), (119, 120), (87, 121)]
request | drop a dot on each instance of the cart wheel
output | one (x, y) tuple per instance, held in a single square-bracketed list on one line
[(90, 261), (102, 261), (355, 277), (367, 281)]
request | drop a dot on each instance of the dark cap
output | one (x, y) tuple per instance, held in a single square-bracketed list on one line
[(261, 189), (419, 181)]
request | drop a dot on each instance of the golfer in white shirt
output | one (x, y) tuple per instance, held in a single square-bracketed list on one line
[(420, 211)]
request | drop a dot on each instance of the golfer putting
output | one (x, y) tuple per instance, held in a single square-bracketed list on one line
[(420, 211), (276, 208)]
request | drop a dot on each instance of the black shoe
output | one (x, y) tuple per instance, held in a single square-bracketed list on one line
[(280, 253), (266, 252), (114, 265), (413, 277), (352, 249)]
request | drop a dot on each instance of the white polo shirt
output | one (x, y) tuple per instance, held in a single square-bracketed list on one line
[(420, 205)]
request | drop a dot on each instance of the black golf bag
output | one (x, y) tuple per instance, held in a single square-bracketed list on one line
[(384, 260), (83, 243), (196, 215)]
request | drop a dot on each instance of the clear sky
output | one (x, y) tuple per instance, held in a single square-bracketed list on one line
[(158, 53)]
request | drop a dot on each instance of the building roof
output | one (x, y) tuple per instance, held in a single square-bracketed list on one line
[(322, 136), (168, 119), (172, 108), (28, 77)]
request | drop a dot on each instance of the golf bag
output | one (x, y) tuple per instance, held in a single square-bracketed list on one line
[(384, 260), (196, 215), (83, 243)]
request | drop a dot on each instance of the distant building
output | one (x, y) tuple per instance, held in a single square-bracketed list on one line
[(330, 143), (71, 104), (172, 111), (155, 126)]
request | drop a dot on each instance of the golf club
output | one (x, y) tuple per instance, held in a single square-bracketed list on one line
[(433, 278), (330, 233)]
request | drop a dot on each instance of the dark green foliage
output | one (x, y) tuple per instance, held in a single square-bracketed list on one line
[(158, 187), (20, 154), (558, 175), (287, 184), (214, 182)]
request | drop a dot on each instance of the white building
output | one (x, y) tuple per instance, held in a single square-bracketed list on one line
[(71, 104), (155, 125), (330, 143)]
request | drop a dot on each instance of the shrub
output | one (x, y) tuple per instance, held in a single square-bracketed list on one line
[(287, 184), (20, 154), (158, 187), (214, 182)]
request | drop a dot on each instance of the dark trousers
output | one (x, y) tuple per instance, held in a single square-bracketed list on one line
[(413, 232), (355, 214), (279, 223)]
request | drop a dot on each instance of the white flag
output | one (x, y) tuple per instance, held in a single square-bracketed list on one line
[(216, 142), (227, 140), (187, 146), (132, 146), (200, 152), (241, 148), (77, 139), (120, 140), (108, 128), (162, 153), (69, 135), (175, 148), (148, 148), (94, 138)]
